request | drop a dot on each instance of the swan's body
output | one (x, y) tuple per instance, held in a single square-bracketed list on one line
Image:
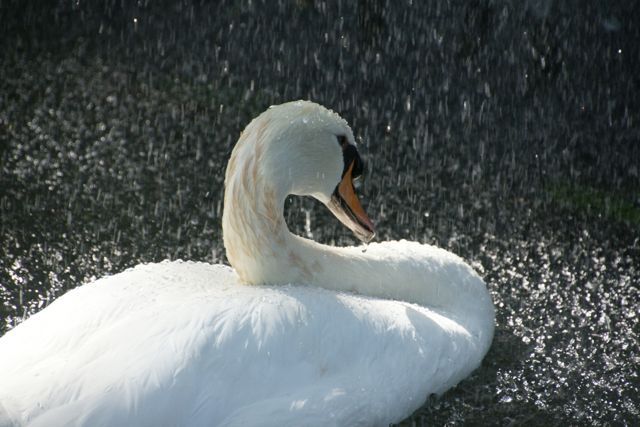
[(188, 344)]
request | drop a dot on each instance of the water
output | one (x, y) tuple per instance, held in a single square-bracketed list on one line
[(507, 133)]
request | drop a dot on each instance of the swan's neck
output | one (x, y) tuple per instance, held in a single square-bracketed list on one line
[(262, 249), (257, 241)]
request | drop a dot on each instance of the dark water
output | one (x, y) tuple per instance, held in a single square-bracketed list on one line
[(507, 132)]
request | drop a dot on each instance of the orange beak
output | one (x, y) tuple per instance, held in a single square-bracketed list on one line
[(346, 206)]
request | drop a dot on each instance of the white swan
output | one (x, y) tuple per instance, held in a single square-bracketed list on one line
[(362, 339)]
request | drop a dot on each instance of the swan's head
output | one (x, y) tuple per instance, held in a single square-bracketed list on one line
[(302, 148)]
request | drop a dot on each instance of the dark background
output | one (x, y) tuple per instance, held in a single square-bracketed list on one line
[(507, 132)]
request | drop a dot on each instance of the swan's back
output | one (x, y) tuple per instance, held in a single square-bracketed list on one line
[(184, 344)]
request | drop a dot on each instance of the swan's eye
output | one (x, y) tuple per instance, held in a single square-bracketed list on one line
[(358, 167), (342, 140), (350, 156)]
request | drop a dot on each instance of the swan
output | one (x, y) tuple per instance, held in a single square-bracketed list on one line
[(296, 333)]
